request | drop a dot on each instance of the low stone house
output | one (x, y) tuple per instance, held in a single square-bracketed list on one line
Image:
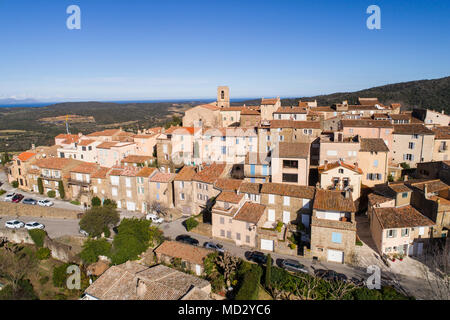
[(333, 226), (184, 190), (190, 257)]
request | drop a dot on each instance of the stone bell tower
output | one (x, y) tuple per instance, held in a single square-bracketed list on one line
[(223, 97)]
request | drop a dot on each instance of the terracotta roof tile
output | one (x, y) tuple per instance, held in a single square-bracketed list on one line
[(281, 189), (373, 145), (250, 212), (186, 174), (86, 167), (25, 156), (412, 129), (290, 110), (210, 174), (329, 200), (107, 145), (257, 158), (402, 217), (105, 133), (229, 196), (85, 142), (337, 164), (275, 124), (100, 173), (136, 159), (163, 177), (146, 172), (228, 184), (292, 150), (269, 101), (249, 187), (442, 133), (55, 163), (183, 251), (364, 123)]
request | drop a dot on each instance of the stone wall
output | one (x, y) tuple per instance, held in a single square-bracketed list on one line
[(23, 210), (60, 251)]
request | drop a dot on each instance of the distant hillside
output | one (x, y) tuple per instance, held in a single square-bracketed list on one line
[(431, 94)]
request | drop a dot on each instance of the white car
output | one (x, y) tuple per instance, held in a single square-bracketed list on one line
[(34, 225), (45, 203), (9, 197), (14, 224), (154, 218)]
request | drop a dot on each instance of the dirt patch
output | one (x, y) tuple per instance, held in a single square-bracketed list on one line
[(204, 229)]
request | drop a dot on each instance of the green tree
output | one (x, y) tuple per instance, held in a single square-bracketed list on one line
[(96, 202), (94, 248), (40, 185), (109, 203), (15, 184), (268, 270), (132, 239), (43, 253), (62, 192), (5, 157), (60, 275), (51, 194), (97, 218)]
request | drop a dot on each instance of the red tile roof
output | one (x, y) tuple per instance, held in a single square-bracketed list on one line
[(250, 212), (146, 172), (84, 143), (183, 251), (86, 167), (401, 217), (163, 177), (210, 174), (100, 173), (186, 174), (229, 196), (337, 164), (329, 200), (228, 184), (25, 156)]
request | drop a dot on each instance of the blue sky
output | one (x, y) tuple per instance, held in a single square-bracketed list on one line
[(148, 49)]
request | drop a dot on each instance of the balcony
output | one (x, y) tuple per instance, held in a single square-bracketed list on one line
[(51, 178), (79, 183), (443, 148)]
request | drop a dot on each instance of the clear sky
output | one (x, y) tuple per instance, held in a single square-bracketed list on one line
[(154, 49)]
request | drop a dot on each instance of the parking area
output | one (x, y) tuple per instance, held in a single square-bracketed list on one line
[(55, 227)]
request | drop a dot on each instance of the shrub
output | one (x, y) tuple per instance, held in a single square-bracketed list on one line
[(359, 243), (2, 192), (43, 253), (249, 288), (106, 232), (109, 203), (51, 194), (40, 186), (44, 280), (190, 223), (24, 291), (38, 237), (75, 202), (292, 246), (94, 248), (96, 202), (15, 184), (279, 226)]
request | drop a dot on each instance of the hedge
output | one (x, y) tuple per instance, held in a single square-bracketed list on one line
[(38, 237), (191, 223)]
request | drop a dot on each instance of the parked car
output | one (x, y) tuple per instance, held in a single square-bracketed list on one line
[(9, 197), (34, 225), (84, 233), (17, 198), (29, 201), (154, 218), (256, 256), (14, 224), (215, 246), (45, 203), (330, 275), (293, 266), (187, 239)]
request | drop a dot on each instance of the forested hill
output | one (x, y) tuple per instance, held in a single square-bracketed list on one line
[(432, 94)]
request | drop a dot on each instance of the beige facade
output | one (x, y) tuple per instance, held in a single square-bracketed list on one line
[(335, 147), (412, 144), (203, 115), (373, 161), (290, 163), (341, 176)]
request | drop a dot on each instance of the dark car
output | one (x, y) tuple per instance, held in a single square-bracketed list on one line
[(256, 256), (187, 239), (293, 266), (330, 275), (17, 198), (29, 201)]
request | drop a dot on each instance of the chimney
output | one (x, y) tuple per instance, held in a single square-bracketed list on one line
[(33, 147), (326, 164), (347, 194), (141, 288), (443, 111), (80, 134), (356, 165), (425, 190), (405, 178)]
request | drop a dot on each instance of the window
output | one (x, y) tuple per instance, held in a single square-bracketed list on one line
[(290, 177), (405, 232), (158, 185), (247, 239), (375, 163), (114, 192), (336, 237), (408, 157), (181, 184), (271, 199), (391, 233), (411, 145), (222, 220), (238, 236), (128, 182), (415, 136), (229, 234), (341, 171), (286, 201), (222, 233), (405, 195), (129, 193), (182, 197), (332, 153), (290, 164)]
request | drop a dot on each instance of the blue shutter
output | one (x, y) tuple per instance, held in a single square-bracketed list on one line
[(264, 170), (252, 169), (336, 237)]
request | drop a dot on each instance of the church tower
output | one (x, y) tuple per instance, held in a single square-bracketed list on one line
[(223, 97)]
